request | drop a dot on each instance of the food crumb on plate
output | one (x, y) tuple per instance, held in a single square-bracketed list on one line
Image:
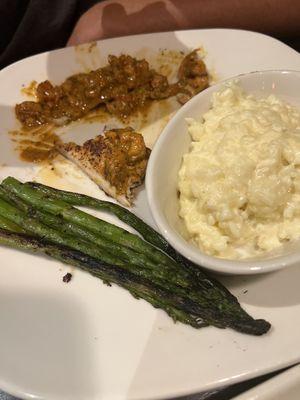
[(67, 278)]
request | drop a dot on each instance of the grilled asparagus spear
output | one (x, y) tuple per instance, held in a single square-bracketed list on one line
[(10, 226), (71, 214), (124, 215), (139, 287), (215, 303)]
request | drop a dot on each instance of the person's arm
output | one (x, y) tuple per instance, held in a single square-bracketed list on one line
[(112, 18)]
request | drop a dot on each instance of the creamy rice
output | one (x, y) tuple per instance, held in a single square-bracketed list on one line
[(240, 181)]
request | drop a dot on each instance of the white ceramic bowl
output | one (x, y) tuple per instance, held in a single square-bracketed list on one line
[(165, 161)]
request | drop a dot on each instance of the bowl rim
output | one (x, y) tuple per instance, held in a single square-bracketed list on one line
[(189, 251)]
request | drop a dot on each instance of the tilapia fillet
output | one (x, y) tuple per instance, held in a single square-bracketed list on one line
[(116, 161)]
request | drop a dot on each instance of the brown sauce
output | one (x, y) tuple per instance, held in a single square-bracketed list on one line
[(36, 145), (78, 98), (100, 114), (30, 90), (36, 155), (124, 86)]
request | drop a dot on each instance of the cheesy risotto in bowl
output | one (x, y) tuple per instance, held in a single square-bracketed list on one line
[(239, 183), (223, 179)]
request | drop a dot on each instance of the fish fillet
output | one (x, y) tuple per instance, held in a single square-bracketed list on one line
[(116, 161)]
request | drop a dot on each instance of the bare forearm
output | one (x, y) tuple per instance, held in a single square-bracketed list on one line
[(279, 17), (123, 17)]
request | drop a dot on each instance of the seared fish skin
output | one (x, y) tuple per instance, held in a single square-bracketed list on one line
[(116, 161)]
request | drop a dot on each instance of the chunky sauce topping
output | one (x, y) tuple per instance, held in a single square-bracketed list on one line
[(123, 87)]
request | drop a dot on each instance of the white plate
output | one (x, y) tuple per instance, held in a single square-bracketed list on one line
[(285, 386), (83, 340)]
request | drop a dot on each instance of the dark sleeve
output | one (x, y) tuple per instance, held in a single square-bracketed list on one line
[(32, 26)]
